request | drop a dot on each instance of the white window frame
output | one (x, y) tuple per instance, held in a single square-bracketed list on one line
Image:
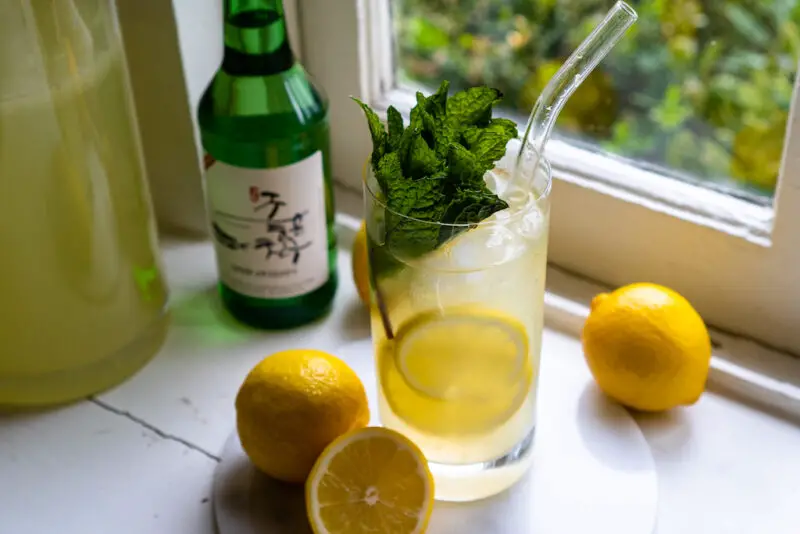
[(738, 263)]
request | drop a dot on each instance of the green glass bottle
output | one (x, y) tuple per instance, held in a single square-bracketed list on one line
[(265, 131)]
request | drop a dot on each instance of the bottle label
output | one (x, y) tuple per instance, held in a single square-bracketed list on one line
[(269, 227)]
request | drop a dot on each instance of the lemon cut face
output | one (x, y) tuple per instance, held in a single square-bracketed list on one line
[(460, 371), (370, 480)]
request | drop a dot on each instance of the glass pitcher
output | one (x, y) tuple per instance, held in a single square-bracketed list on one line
[(82, 296)]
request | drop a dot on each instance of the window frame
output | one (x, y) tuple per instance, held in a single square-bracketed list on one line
[(737, 262)]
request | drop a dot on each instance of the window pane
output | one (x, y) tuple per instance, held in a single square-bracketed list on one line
[(699, 89)]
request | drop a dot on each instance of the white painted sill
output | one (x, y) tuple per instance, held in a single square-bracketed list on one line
[(739, 367)]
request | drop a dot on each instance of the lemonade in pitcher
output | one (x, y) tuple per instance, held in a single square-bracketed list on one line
[(457, 273), (83, 296)]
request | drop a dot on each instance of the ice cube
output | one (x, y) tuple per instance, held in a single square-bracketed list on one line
[(499, 180), (491, 243)]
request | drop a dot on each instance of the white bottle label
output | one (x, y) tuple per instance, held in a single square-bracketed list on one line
[(269, 227)]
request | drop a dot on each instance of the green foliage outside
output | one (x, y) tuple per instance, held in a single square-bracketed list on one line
[(702, 87)]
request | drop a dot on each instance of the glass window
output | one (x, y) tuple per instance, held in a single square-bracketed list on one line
[(699, 89)]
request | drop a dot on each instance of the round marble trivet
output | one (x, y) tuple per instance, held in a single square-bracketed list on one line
[(592, 470)]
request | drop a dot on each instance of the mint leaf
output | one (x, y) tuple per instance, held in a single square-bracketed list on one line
[(473, 106), (507, 126), (470, 136), (469, 207), (407, 142), (447, 134), (395, 121), (413, 205), (465, 169), (490, 145), (417, 113), (388, 171), (408, 197), (379, 137), (431, 114), (426, 121), (422, 159), (432, 171), (437, 102)]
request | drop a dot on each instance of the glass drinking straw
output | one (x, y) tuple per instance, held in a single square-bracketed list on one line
[(560, 88)]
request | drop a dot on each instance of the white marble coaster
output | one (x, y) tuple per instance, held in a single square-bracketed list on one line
[(592, 471)]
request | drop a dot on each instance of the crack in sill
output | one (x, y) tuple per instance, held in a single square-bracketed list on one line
[(155, 430)]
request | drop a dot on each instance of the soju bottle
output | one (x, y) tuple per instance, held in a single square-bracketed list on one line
[(268, 181)]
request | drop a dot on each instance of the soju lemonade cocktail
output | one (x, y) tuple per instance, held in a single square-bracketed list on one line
[(458, 272)]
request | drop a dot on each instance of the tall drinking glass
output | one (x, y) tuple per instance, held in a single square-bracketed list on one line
[(457, 333)]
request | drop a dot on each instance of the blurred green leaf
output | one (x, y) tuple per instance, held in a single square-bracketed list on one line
[(744, 62), (673, 110), (715, 158), (426, 36), (683, 149), (709, 58), (746, 24), (781, 10)]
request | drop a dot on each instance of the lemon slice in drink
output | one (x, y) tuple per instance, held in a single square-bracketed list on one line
[(458, 371), (370, 480)]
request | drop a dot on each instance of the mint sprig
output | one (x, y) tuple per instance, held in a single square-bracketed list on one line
[(432, 170)]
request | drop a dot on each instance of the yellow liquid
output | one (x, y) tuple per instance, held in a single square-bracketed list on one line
[(455, 432), (82, 296)]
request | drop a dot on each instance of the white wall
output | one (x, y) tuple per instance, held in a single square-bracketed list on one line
[(171, 64)]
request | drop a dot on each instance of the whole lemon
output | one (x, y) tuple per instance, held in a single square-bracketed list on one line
[(361, 264), (292, 405), (647, 347)]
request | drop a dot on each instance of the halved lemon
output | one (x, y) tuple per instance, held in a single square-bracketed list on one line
[(462, 370), (370, 480)]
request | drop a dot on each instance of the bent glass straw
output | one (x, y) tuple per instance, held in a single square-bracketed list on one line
[(561, 87)]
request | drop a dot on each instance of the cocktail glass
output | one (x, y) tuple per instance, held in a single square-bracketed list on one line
[(457, 332)]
